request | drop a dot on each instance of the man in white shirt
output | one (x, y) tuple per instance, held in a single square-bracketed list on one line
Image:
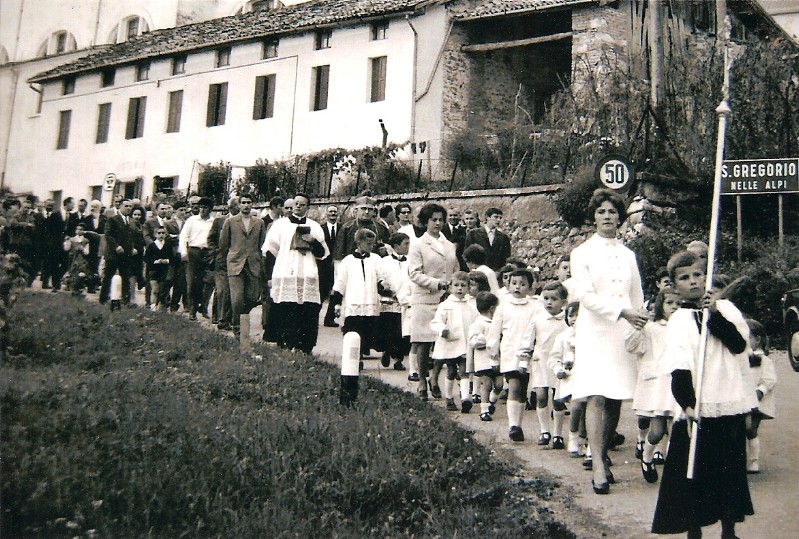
[(193, 249)]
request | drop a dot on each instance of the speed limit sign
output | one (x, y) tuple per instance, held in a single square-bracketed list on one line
[(614, 172)]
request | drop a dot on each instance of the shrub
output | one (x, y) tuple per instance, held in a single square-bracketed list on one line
[(572, 200)]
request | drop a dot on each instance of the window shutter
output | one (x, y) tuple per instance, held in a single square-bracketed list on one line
[(222, 104), (258, 101), (65, 119), (213, 96), (270, 96), (175, 110), (103, 123), (140, 118)]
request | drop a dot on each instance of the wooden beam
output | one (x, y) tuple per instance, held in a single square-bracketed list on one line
[(482, 47)]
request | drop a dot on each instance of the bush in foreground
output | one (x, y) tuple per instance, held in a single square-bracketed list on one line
[(136, 423)]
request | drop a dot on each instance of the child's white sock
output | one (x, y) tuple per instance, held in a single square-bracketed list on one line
[(642, 434), (465, 395), (449, 389), (493, 397), (649, 451), (543, 418), (515, 410), (413, 362), (753, 454), (484, 407), (559, 417), (663, 444)]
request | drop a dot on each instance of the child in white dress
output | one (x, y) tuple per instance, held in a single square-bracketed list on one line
[(763, 377), (485, 367)]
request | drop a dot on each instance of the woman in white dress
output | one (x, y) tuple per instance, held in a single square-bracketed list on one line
[(608, 287)]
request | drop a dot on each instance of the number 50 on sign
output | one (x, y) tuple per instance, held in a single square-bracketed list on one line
[(614, 172)]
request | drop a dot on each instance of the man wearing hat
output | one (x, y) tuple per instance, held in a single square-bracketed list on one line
[(365, 212), (193, 249)]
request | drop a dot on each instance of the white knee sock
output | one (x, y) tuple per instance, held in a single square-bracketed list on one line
[(649, 451), (559, 416), (465, 395), (515, 410), (752, 452), (543, 419), (413, 362), (449, 389)]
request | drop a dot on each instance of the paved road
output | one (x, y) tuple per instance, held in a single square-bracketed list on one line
[(627, 511)]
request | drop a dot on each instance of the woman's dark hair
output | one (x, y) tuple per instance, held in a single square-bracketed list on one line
[(660, 299), (606, 195), (428, 210)]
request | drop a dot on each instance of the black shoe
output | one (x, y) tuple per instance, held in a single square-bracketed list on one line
[(223, 326), (516, 434), (492, 408), (193, 316), (658, 459), (616, 441), (476, 398), (398, 366), (330, 324), (588, 463), (466, 406), (451, 406), (503, 396), (545, 438), (413, 377), (601, 488), (435, 391), (529, 405), (649, 471), (557, 442), (385, 359), (639, 450)]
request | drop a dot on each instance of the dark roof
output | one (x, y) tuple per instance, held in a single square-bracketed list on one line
[(498, 8), (245, 27)]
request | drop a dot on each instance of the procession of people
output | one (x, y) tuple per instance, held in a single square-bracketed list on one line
[(432, 294)]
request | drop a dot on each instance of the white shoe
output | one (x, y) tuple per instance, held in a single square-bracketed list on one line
[(753, 466)]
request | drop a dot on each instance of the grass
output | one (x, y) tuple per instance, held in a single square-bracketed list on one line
[(142, 424)]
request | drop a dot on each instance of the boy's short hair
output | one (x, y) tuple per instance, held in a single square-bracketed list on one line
[(385, 210), (564, 258), (80, 224), (527, 274), (485, 301), (396, 238), (475, 254), (364, 234), (460, 276), (481, 279), (571, 309), (492, 211), (681, 259), (507, 268), (662, 272), (556, 285), (276, 202), (758, 330)]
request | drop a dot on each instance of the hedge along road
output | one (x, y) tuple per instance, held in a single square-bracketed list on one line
[(627, 511)]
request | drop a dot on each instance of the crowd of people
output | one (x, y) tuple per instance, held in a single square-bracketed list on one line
[(441, 291)]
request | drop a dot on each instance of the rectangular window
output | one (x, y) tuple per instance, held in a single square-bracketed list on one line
[(107, 77), (321, 80), (135, 127), (164, 184), (97, 192), (217, 103), (323, 39), (133, 27), (175, 110), (179, 65), (103, 123), (264, 103), (61, 43), (64, 119), (69, 85), (379, 30), (269, 49), (142, 71), (223, 57), (378, 87)]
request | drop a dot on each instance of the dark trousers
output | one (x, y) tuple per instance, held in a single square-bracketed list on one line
[(195, 274), (178, 286), (296, 324), (245, 289), (222, 307), (389, 333), (363, 326)]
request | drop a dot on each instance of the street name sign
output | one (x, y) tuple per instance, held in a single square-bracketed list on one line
[(760, 176)]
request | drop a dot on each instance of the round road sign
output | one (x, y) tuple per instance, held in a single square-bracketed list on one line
[(614, 172)]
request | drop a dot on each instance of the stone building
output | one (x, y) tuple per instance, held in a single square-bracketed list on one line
[(280, 82)]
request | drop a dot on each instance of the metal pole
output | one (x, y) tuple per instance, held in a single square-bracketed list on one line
[(739, 220), (723, 111), (779, 217)]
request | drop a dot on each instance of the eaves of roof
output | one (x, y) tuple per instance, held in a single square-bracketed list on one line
[(294, 19), (499, 8)]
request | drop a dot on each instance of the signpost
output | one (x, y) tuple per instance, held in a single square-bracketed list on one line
[(759, 177)]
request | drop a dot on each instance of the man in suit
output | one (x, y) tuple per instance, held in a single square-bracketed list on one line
[(494, 242), (58, 226), (240, 242), (455, 232), (327, 270), (94, 224), (221, 312), (365, 213), (118, 251)]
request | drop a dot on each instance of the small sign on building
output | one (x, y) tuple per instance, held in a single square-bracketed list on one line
[(109, 181)]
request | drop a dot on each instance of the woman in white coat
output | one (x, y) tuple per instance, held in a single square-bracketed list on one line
[(431, 264), (608, 287)]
